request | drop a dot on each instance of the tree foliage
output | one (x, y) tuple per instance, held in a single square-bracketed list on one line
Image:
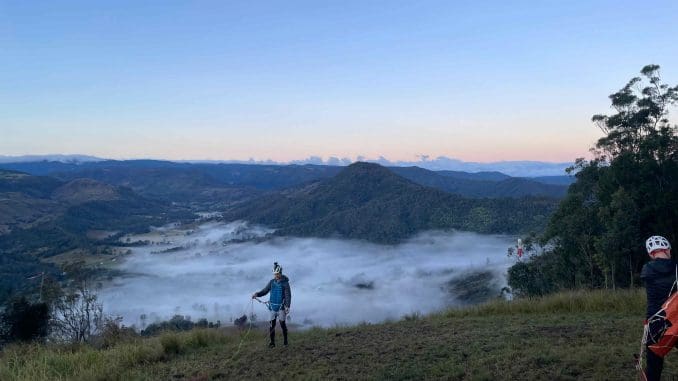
[(24, 321), (626, 193), (178, 323)]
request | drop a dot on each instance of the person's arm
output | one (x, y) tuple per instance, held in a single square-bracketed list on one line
[(287, 292), (644, 273), (263, 291)]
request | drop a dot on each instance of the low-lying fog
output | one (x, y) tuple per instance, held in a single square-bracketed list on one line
[(211, 272)]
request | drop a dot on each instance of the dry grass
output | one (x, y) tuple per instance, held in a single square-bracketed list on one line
[(126, 360), (569, 336), (620, 301)]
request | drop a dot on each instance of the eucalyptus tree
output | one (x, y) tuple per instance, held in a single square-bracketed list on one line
[(626, 192)]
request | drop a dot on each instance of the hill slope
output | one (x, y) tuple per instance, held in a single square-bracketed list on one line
[(573, 336), (42, 217), (33, 186), (28, 202), (209, 184), (85, 190), (368, 201)]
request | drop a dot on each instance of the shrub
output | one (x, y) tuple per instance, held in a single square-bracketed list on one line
[(199, 338), (24, 321), (112, 332), (171, 344)]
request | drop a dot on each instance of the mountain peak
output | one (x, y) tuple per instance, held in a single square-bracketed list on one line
[(365, 180), (365, 167)]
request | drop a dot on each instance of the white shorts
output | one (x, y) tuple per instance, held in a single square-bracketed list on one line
[(280, 314)]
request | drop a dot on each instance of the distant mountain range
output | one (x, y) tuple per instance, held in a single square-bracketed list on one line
[(216, 185), (368, 201), (480, 185), (441, 163), (72, 198), (518, 168), (524, 168), (56, 157)]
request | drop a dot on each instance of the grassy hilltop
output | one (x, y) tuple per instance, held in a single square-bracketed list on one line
[(568, 336)]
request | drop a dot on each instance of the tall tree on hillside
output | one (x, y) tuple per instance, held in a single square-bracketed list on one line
[(641, 152), (641, 125), (78, 314), (627, 192)]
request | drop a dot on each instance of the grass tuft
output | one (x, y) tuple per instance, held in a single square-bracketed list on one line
[(171, 344), (620, 301)]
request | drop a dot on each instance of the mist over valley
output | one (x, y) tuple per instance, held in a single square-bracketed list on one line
[(210, 271)]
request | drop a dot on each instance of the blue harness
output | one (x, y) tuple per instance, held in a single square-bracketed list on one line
[(275, 300)]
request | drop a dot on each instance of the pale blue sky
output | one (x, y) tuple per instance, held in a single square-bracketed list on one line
[(480, 81)]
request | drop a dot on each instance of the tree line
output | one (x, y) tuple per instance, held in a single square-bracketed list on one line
[(627, 192)]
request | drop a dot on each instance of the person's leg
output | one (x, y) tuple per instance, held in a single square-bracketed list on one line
[(654, 366), (271, 333), (283, 325)]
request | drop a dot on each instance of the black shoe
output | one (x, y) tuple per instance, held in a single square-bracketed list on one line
[(285, 344), (271, 345)]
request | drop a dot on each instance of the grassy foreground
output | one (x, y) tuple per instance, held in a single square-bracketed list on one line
[(568, 336)]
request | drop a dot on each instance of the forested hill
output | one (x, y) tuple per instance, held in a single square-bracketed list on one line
[(368, 201), (31, 202), (215, 185), (41, 216)]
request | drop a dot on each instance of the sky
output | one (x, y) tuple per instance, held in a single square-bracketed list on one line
[(223, 80)]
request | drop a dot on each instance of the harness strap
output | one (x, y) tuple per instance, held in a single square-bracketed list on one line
[(643, 347), (673, 287), (675, 282), (268, 303)]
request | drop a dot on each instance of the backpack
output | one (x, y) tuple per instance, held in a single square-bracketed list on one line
[(662, 327)]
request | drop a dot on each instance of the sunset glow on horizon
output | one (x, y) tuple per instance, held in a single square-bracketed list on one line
[(281, 81)]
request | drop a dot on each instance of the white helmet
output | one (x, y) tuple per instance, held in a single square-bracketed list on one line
[(277, 269), (656, 242)]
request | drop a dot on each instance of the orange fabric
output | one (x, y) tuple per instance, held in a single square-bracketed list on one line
[(670, 337)]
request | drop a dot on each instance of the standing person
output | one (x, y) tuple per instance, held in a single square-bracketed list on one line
[(659, 276), (278, 302)]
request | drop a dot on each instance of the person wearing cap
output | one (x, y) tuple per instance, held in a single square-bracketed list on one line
[(658, 274), (278, 303)]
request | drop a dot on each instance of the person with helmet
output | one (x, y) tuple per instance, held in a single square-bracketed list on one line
[(278, 302), (658, 274)]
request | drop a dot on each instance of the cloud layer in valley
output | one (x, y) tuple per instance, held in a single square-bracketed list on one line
[(211, 272)]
